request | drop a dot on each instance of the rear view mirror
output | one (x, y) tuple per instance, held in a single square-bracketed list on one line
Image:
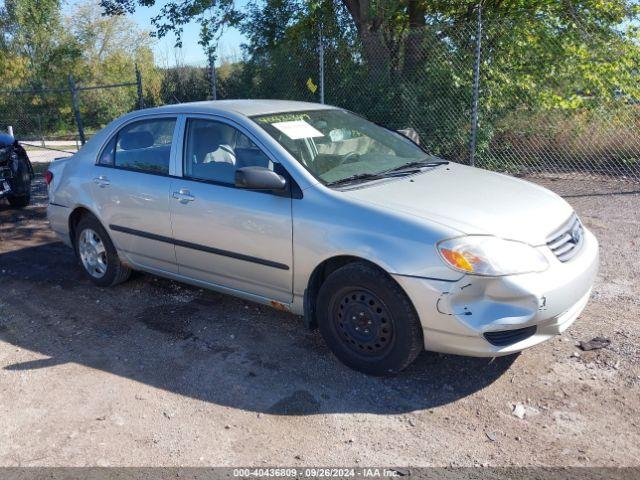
[(339, 134), (259, 178)]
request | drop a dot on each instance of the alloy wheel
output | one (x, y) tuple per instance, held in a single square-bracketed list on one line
[(93, 253)]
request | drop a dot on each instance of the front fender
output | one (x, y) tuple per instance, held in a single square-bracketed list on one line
[(328, 225)]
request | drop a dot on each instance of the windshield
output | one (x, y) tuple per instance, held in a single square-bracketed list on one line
[(335, 145)]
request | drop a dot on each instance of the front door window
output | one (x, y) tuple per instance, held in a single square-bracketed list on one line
[(215, 150)]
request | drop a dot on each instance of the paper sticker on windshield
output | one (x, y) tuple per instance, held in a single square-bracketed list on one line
[(297, 129)]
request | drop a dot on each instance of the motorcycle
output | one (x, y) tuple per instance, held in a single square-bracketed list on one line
[(16, 172)]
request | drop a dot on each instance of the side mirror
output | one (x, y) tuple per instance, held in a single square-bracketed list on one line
[(259, 178)]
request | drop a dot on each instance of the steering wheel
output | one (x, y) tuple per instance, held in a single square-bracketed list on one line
[(350, 157)]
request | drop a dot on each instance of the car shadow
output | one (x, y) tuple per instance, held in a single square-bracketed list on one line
[(206, 345)]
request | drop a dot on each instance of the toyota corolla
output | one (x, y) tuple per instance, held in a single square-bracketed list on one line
[(315, 210)]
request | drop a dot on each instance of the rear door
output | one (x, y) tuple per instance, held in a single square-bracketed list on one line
[(227, 236), (131, 188)]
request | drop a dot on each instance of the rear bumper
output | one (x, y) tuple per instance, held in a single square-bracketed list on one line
[(456, 315)]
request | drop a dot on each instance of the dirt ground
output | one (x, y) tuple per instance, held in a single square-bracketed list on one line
[(156, 373)]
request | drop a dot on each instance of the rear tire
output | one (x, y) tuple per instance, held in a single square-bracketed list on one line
[(97, 255), (368, 321)]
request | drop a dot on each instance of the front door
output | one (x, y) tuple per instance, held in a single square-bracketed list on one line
[(131, 188), (223, 235)]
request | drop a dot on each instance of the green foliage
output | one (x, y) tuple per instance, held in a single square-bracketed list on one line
[(13, 69), (555, 76), (542, 62), (40, 48), (184, 84), (563, 85), (33, 31)]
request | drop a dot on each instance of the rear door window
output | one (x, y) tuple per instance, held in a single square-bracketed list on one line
[(144, 146)]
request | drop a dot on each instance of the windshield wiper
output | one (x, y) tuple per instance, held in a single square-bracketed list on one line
[(355, 178), (391, 172), (415, 165)]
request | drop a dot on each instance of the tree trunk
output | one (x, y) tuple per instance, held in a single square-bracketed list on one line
[(375, 51), (376, 54), (414, 48)]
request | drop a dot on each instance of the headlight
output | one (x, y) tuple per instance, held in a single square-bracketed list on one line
[(491, 256)]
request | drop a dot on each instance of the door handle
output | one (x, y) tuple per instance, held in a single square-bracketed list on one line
[(102, 181), (183, 196)]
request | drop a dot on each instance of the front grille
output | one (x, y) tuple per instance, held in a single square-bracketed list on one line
[(503, 338), (567, 240)]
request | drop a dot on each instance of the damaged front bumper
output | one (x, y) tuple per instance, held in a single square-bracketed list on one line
[(493, 316), (14, 162), (6, 172), (5, 187)]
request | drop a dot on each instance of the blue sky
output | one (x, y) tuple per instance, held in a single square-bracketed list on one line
[(191, 53)]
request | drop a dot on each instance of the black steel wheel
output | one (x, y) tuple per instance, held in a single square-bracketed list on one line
[(368, 321), (363, 321)]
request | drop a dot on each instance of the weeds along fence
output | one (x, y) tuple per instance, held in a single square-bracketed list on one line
[(500, 94)]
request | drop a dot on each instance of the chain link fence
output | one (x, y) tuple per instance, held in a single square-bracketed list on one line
[(555, 104), (56, 120), (37, 116), (551, 103)]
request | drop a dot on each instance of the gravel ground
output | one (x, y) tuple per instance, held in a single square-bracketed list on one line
[(156, 373)]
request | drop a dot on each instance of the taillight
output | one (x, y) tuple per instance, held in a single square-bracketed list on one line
[(48, 177)]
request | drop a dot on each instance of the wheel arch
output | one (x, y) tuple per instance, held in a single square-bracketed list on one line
[(319, 275), (74, 218)]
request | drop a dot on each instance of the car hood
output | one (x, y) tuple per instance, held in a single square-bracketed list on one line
[(473, 201)]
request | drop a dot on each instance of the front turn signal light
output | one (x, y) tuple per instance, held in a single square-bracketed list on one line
[(491, 256)]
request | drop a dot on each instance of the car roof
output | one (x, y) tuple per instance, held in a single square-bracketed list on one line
[(243, 107)]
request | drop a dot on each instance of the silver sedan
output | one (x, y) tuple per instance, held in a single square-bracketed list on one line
[(314, 210)]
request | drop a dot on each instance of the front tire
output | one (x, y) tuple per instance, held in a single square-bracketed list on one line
[(368, 321), (19, 201), (98, 257), (21, 185)]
